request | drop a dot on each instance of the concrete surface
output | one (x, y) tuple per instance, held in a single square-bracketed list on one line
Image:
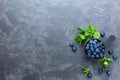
[(34, 38)]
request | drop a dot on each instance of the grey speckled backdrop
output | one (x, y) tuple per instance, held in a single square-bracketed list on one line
[(34, 38)]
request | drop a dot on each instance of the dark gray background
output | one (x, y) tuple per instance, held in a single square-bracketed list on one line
[(34, 38)]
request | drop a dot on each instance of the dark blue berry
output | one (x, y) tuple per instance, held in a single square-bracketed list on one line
[(71, 44), (101, 70), (89, 75), (91, 48), (74, 49), (102, 34), (114, 57), (108, 72), (103, 50), (110, 52), (89, 55), (94, 53), (92, 56), (101, 55), (97, 50), (97, 56), (87, 47)]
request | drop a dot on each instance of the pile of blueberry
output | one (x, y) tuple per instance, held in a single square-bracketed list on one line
[(95, 49)]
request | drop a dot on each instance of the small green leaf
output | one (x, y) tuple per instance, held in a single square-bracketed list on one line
[(82, 36), (91, 28), (87, 33), (80, 29), (101, 60), (96, 35), (108, 59), (106, 64)]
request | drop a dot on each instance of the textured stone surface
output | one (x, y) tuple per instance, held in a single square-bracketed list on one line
[(34, 38)]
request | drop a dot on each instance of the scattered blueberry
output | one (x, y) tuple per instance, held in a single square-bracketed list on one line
[(102, 34), (71, 44), (89, 75), (114, 57), (108, 72), (101, 70), (74, 49), (110, 52)]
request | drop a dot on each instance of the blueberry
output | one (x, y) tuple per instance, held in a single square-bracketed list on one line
[(101, 55), (89, 75), (97, 50), (87, 47), (74, 49), (108, 72), (91, 41), (97, 56), (92, 56), (91, 45), (94, 53), (102, 34), (88, 51), (101, 70), (95, 46), (114, 57), (71, 44), (91, 48), (103, 50), (110, 52), (89, 55)]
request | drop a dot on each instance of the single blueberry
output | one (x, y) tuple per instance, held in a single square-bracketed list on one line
[(74, 49), (89, 75), (103, 50), (108, 72), (71, 44), (102, 34), (94, 42), (98, 45), (97, 50), (92, 56), (88, 51), (87, 47), (103, 69), (91, 48), (91, 41), (97, 56), (114, 57), (95, 46), (101, 55), (110, 52), (89, 55), (101, 43), (91, 45), (94, 53)]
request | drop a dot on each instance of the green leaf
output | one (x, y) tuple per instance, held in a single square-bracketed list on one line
[(82, 36), (96, 35), (87, 33), (101, 60), (106, 64), (108, 59), (91, 28), (80, 29)]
